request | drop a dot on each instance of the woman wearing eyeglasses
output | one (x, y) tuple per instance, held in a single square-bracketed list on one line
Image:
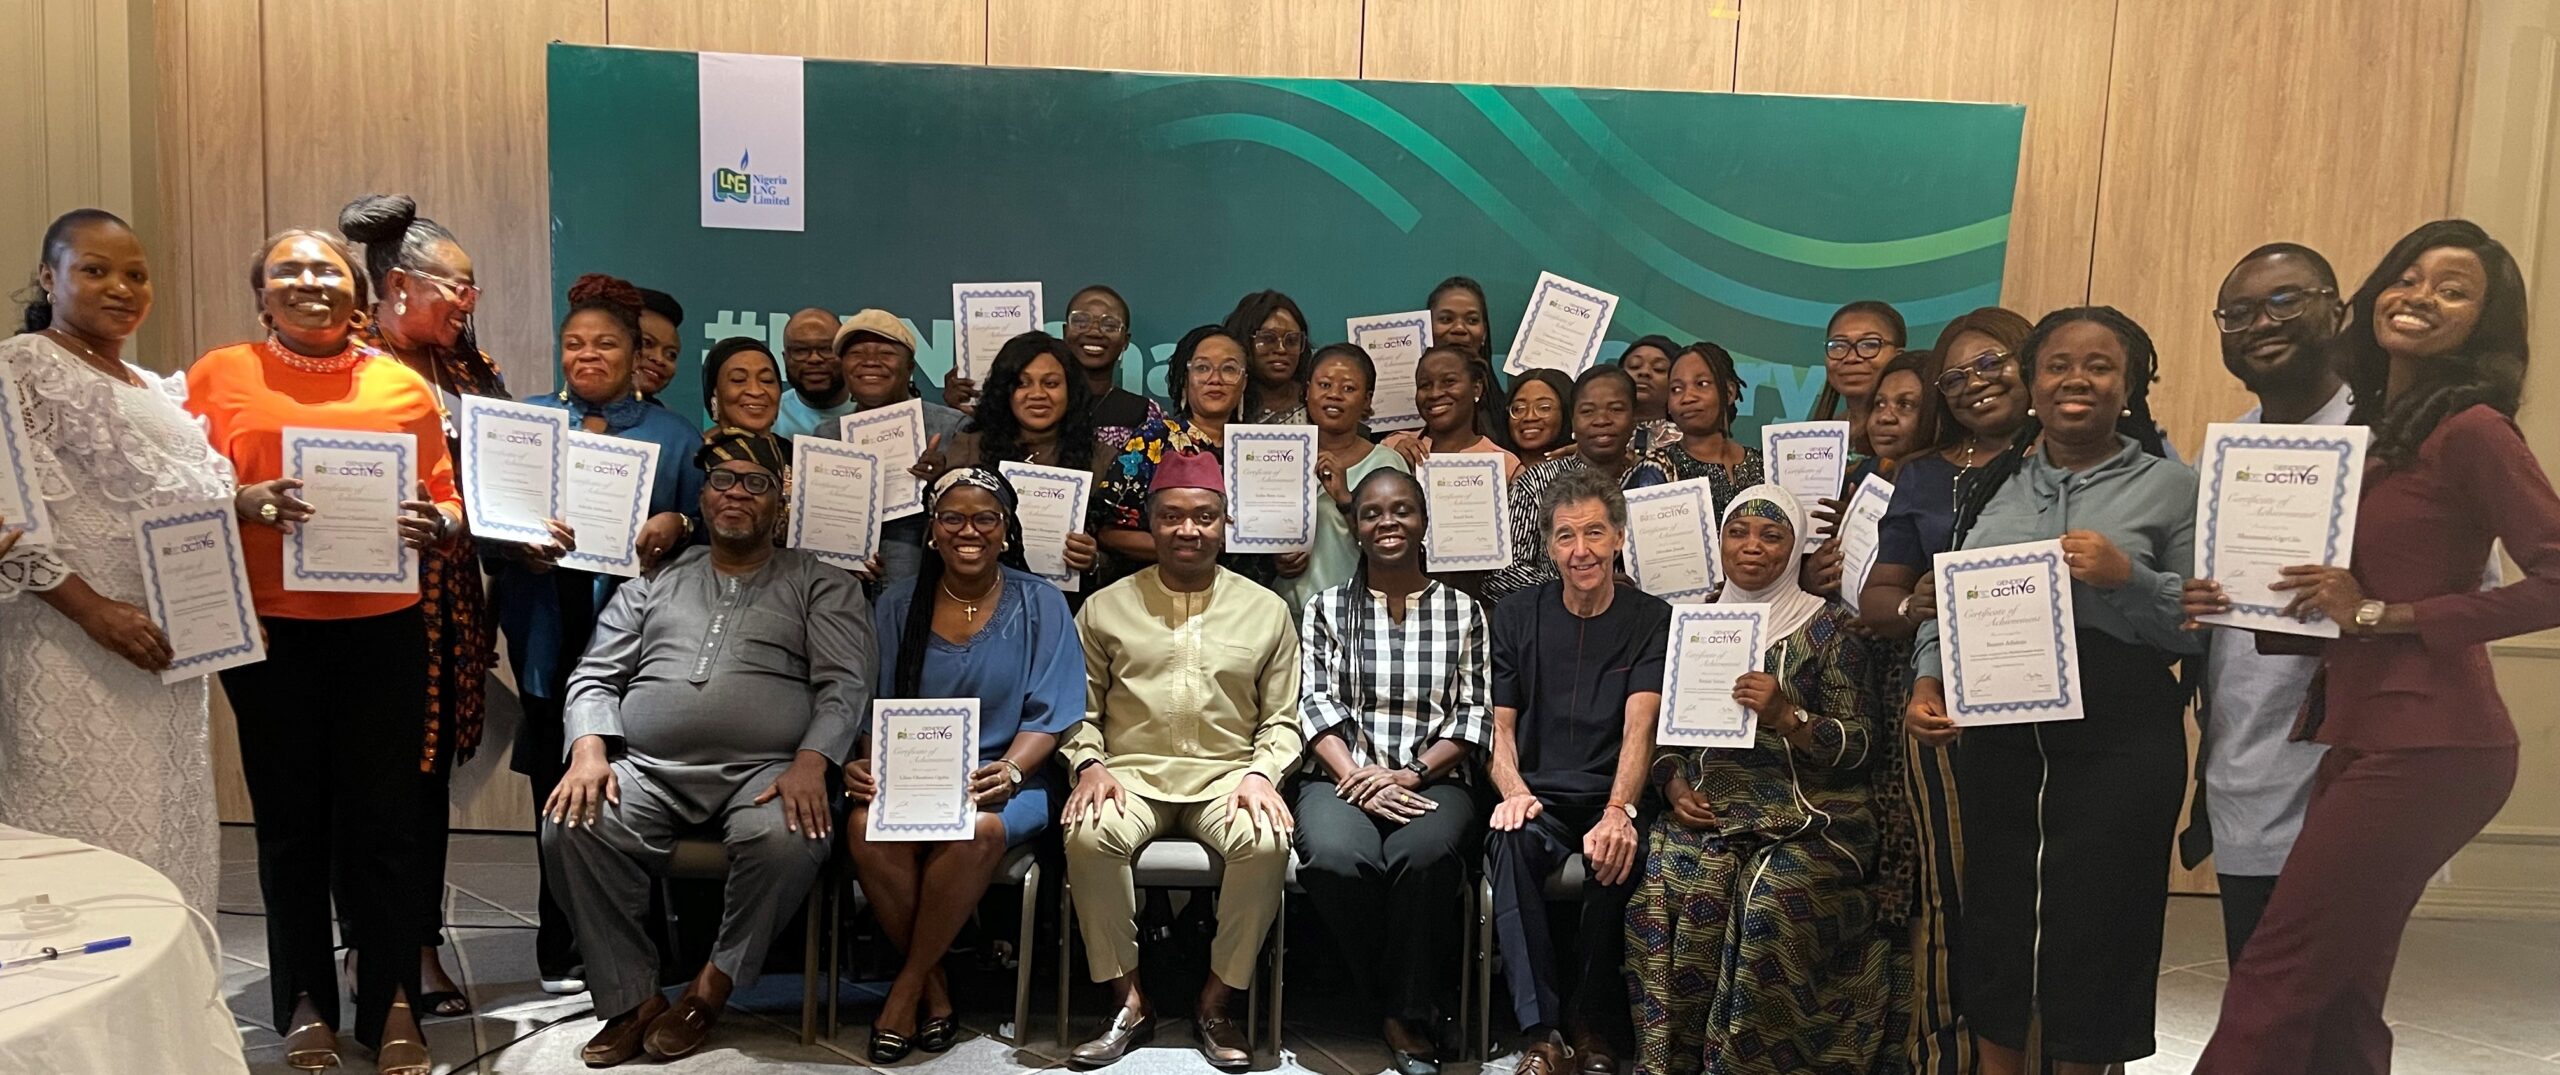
[(1211, 386), (1972, 405), (1271, 324), (972, 624), (424, 295), (1862, 337), (1539, 429), (1703, 395), (1098, 328)]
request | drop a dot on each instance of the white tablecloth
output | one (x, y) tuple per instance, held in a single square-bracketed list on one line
[(162, 1012)]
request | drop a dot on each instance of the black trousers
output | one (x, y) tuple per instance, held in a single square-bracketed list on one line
[(331, 726), (1594, 997), (2244, 901), (433, 824), (1385, 890), (539, 757)]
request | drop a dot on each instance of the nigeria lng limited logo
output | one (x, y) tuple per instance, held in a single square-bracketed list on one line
[(743, 185)]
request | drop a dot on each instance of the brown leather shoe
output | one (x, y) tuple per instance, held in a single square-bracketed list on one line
[(682, 1029), (1222, 1042), (1592, 1057), (1127, 1029), (619, 1041), (1540, 1058)]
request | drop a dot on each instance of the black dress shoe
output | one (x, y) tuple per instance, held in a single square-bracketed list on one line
[(938, 1033), (1127, 1029), (1408, 1064)]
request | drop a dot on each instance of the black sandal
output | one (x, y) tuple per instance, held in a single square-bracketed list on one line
[(938, 1033), (889, 1046), (437, 1003)]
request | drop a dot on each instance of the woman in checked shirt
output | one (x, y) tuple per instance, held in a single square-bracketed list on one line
[(1393, 702)]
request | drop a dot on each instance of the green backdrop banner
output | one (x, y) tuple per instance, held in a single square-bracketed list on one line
[(1737, 218)]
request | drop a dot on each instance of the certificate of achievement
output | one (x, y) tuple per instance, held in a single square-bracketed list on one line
[(1712, 646), (512, 463), (1562, 328), (1470, 504), (1671, 540), (922, 750), (1807, 459), (1271, 488), (2006, 634), (835, 501), (354, 483), (1395, 343), (195, 585), (2273, 497), (984, 316), (1051, 503), (606, 500), (1858, 521), (21, 502), (894, 436)]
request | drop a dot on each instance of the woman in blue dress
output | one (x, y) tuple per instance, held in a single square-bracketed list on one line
[(983, 628)]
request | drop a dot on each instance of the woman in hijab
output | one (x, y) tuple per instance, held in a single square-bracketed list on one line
[(1751, 941)]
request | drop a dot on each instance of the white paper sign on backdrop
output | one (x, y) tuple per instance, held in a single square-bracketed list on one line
[(754, 170)]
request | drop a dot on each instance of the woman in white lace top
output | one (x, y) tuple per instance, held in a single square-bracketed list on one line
[(92, 745)]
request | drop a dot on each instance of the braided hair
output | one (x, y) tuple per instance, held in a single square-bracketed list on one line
[(1357, 643), (1487, 401), (610, 294), (1728, 380), (916, 633), (57, 242), (1000, 433), (2142, 367), (1177, 374), (1247, 318), (2489, 368)]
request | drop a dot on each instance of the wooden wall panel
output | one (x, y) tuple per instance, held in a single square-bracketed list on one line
[(25, 205), (225, 189), (2325, 122), (932, 31), (1638, 44), (453, 115), (1309, 38), (2050, 55)]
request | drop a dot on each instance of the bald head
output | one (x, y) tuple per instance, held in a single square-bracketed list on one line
[(809, 352)]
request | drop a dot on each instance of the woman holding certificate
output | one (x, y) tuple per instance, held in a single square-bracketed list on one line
[(1704, 394), (1211, 385), (1393, 700), (2421, 752), (1540, 428), (972, 624), (1339, 381), (1046, 421), (103, 438), (1862, 337), (332, 724), (1602, 407), (424, 294), (548, 612), (2067, 823), (1276, 330), (1756, 941)]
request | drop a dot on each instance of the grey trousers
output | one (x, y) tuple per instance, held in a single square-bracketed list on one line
[(607, 869)]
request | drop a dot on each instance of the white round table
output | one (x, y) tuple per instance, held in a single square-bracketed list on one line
[(163, 1010)]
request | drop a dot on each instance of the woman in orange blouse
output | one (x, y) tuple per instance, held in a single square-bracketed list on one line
[(332, 723)]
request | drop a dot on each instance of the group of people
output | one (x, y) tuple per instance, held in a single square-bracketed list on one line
[(1868, 887)]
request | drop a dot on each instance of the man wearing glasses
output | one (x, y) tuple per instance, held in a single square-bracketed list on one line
[(818, 395), (689, 711), (2279, 314)]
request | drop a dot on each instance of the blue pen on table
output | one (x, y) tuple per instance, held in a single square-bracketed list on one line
[(46, 955)]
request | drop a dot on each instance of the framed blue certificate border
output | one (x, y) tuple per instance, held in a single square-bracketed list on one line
[(407, 479), (2057, 588), (1671, 688), (889, 506), (1772, 438), (1600, 328), (2345, 451), (639, 503), (800, 512), (967, 295), (230, 536), (1421, 325), (1706, 513), (966, 817), (21, 470), (1080, 480), (1501, 556), (1236, 441), (558, 420)]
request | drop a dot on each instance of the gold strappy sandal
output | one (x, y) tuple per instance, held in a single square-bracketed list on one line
[(308, 1058)]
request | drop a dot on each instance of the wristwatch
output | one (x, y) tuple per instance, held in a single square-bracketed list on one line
[(2368, 616), (1418, 767), (1630, 809)]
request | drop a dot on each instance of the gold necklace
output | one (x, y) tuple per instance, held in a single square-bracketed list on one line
[(969, 605)]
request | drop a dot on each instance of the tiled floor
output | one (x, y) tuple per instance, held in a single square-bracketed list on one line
[(2470, 998)]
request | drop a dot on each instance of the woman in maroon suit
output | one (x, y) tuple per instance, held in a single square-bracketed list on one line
[(2421, 752)]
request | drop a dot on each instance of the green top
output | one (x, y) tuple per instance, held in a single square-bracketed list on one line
[(1330, 563)]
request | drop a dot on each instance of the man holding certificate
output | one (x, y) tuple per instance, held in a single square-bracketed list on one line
[(1577, 680), (879, 356), (1191, 722), (2067, 823), (722, 689)]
